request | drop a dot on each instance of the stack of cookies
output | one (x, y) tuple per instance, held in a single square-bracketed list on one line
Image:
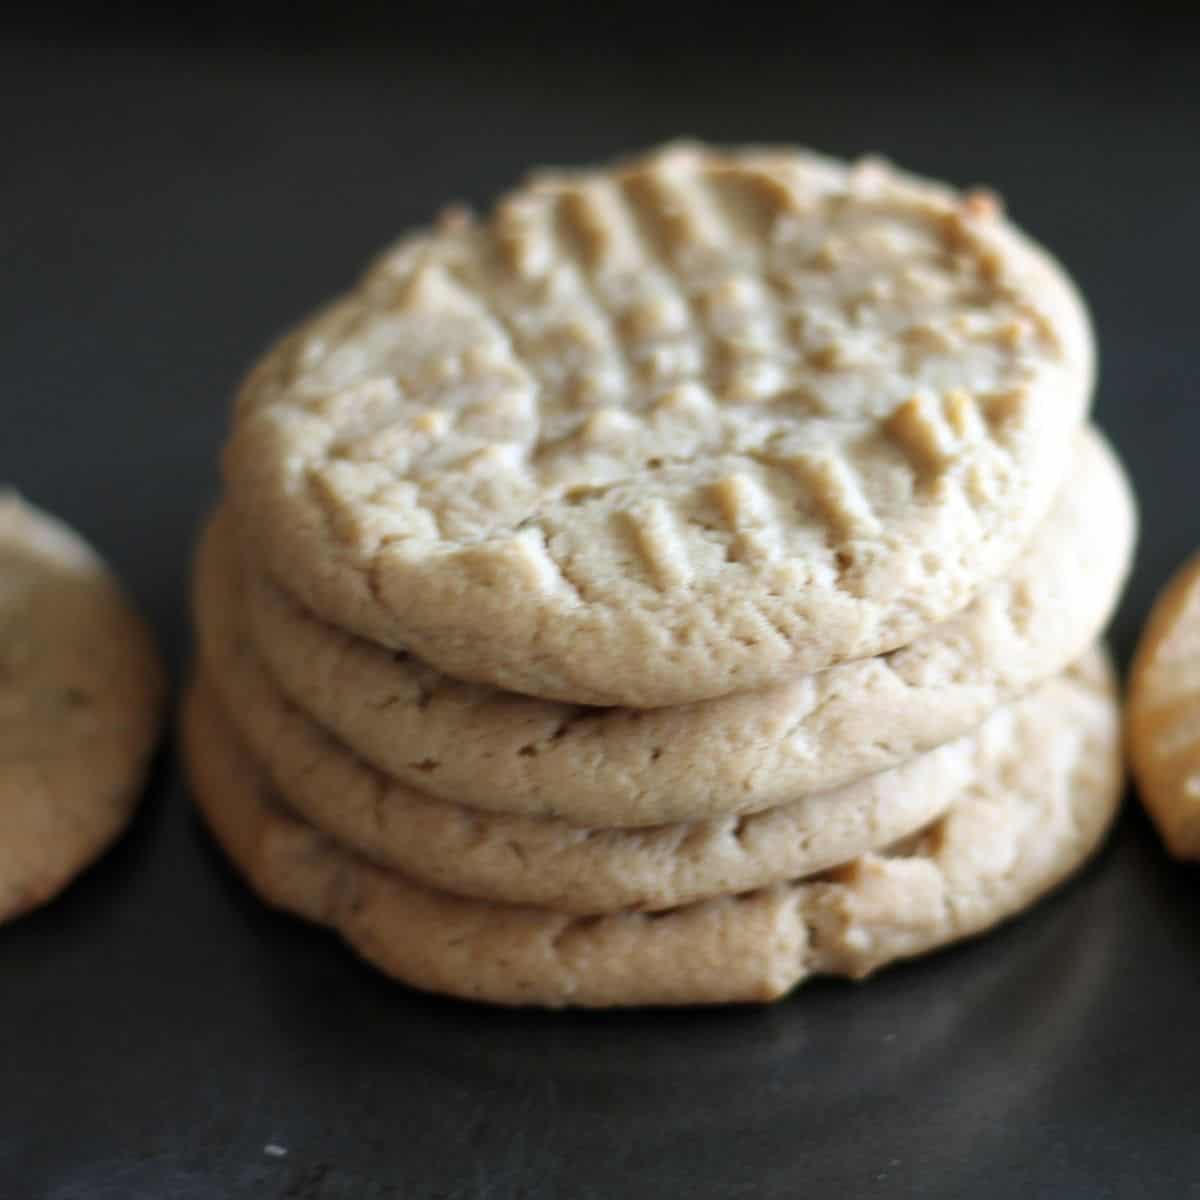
[(685, 581)]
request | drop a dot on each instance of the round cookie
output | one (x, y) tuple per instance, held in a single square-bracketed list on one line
[(1046, 791), (1163, 713), (669, 431), (536, 860), (737, 754), (81, 694)]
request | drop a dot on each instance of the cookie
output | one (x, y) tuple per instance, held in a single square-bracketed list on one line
[(1163, 713), (737, 754), (1046, 791), (546, 862), (81, 695), (669, 431)]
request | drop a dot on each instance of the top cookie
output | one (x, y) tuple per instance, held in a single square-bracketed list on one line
[(81, 696), (671, 430)]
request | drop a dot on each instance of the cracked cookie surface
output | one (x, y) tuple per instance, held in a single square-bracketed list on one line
[(673, 430)]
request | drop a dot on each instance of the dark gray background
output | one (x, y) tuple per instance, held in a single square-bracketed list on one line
[(170, 199)]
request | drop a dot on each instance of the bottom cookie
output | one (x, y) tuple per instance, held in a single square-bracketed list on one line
[(1046, 792)]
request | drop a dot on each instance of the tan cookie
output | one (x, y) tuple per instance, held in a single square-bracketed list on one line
[(736, 754), (535, 860), (672, 430), (1046, 791), (1163, 713), (81, 692)]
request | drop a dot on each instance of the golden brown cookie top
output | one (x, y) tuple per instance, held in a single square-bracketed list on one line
[(669, 430)]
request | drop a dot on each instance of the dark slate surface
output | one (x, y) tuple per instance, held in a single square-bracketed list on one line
[(164, 211)]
